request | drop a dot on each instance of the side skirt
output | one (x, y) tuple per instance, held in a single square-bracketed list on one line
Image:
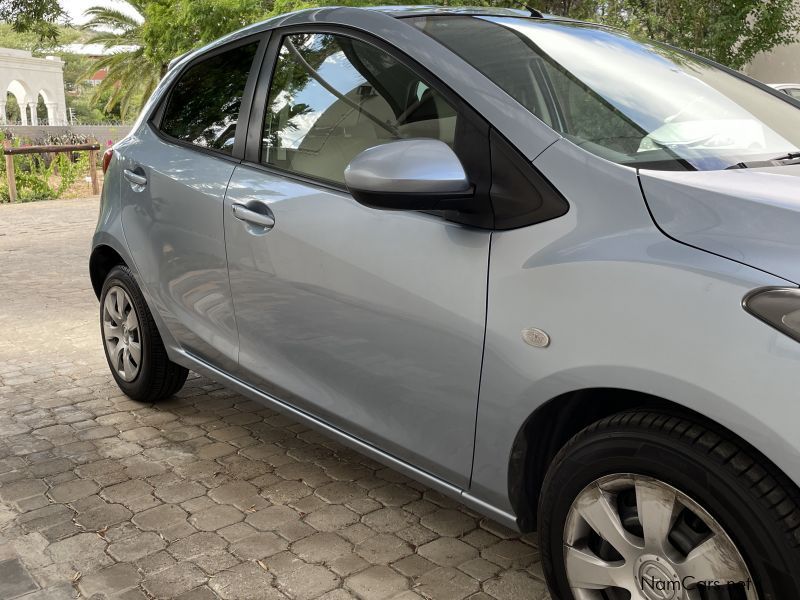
[(195, 364)]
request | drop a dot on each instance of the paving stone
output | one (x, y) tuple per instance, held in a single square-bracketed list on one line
[(516, 585), (389, 520), (22, 489), (159, 517), (449, 522), (394, 495), (413, 566), (199, 543), (307, 582), (272, 517), (236, 532), (138, 546), (247, 581), (448, 552), (84, 550), (377, 583), (331, 518), (216, 517), (175, 580), (445, 583), (511, 554), (103, 516), (259, 545), (15, 579), (322, 547), (383, 549), (119, 578), (180, 491), (348, 564), (339, 492), (125, 492), (479, 569), (240, 494), (201, 593)]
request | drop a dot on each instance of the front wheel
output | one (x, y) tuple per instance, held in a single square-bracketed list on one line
[(652, 506), (133, 347)]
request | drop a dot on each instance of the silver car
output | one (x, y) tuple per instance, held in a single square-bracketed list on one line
[(540, 266)]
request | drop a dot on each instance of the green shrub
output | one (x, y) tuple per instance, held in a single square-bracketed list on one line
[(34, 173)]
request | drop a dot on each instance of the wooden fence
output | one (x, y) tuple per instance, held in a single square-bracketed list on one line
[(10, 152)]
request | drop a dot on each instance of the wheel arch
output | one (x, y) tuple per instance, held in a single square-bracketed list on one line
[(555, 422), (102, 260)]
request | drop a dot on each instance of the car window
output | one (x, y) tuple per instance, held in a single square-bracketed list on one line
[(641, 104), (793, 92), (333, 96), (203, 106)]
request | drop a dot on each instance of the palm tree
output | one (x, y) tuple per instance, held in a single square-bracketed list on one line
[(132, 74)]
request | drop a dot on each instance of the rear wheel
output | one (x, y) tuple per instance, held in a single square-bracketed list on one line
[(133, 347), (652, 506)]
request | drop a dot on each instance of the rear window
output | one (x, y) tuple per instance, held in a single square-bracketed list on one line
[(203, 106)]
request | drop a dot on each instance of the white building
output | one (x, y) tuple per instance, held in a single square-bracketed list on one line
[(27, 78)]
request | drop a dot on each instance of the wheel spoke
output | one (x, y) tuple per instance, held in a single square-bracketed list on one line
[(131, 322), (135, 349), (111, 307), (116, 355), (587, 571), (120, 304), (657, 513), (111, 331), (716, 559), (596, 509), (130, 369)]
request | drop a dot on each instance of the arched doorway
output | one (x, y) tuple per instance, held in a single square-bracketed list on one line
[(13, 113), (21, 95)]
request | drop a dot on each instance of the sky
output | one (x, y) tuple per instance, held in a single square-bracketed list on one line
[(75, 8)]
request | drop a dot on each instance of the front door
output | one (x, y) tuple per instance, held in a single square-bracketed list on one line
[(371, 320), (176, 170)]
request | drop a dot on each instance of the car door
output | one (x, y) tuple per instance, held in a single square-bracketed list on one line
[(176, 170), (371, 320)]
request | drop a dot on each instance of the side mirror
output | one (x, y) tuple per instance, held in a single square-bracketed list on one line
[(416, 174)]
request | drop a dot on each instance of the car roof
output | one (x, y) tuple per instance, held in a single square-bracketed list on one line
[(318, 15), (780, 86)]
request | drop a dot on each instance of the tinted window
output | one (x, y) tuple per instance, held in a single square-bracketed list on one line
[(636, 103), (332, 97), (203, 106)]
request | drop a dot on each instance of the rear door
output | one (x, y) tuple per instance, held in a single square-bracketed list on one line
[(372, 320), (176, 170)]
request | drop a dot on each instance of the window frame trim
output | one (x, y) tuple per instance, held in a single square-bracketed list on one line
[(242, 123), (252, 154)]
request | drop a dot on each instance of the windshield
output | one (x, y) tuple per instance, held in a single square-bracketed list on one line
[(635, 103)]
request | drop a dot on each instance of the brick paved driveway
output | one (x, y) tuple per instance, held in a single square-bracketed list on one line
[(206, 495)]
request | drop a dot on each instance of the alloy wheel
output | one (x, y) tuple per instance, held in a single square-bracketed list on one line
[(631, 537), (121, 333)]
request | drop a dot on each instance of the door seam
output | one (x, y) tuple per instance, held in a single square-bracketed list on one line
[(483, 357)]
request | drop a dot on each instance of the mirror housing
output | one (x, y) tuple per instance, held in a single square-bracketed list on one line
[(415, 174)]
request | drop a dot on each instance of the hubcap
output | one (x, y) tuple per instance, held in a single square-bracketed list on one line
[(121, 334), (630, 536)]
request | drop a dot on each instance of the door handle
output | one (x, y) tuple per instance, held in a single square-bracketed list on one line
[(241, 212), (134, 177)]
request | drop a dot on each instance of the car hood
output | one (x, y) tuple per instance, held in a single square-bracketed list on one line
[(748, 215)]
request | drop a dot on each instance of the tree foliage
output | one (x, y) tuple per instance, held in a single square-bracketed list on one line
[(36, 16), (730, 32)]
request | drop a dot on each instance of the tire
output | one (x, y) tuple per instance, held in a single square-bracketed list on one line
[(148, 375), (714, 475)]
